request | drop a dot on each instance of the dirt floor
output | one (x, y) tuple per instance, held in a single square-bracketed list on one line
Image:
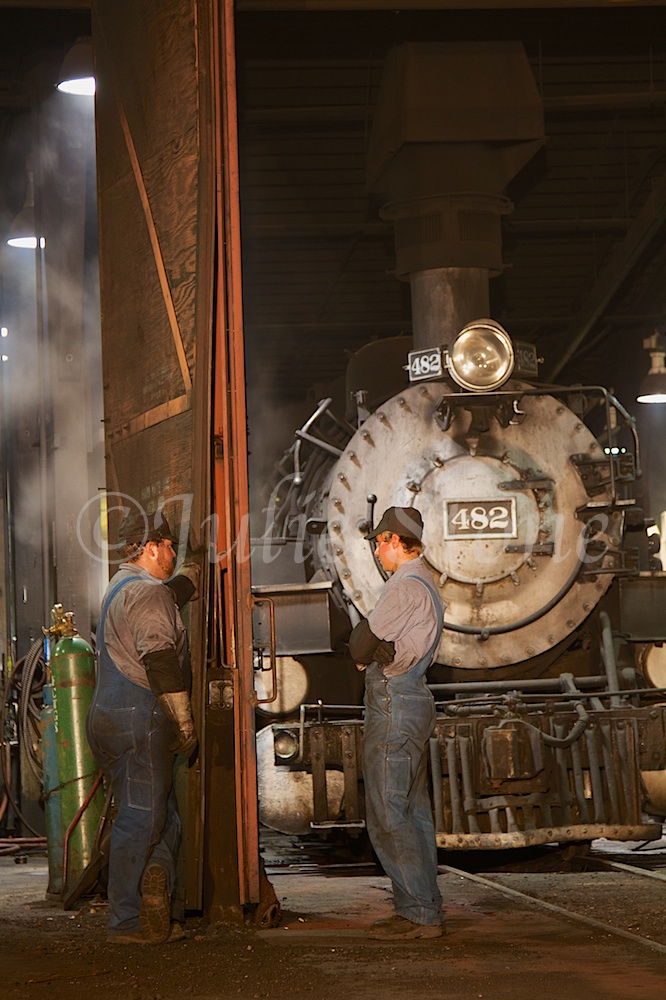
[(495, 946)]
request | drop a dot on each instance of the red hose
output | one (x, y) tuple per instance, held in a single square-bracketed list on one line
[(73, 824)]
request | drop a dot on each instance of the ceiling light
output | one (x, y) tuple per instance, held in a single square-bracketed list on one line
[(653, 386), (77, 74), (22, 232), (26, 242)]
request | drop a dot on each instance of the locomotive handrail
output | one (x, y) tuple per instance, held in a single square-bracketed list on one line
[(567, 390), (302, 434), (323, 405), (270, 646)]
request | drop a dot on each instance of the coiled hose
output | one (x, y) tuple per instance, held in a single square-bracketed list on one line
[(24, 688)]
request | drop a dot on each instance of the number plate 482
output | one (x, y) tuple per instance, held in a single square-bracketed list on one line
[(424, 364), (480, 518)]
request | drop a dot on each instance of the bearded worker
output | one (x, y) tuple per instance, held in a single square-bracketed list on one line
[(139, 720)]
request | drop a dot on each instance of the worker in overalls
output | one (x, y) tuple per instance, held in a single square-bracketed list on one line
[(139, 720), (397, 643)]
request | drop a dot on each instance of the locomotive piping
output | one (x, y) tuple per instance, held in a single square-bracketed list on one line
[(558, 742)]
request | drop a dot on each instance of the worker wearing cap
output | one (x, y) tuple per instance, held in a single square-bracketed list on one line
[(395, 645), (139, 719)]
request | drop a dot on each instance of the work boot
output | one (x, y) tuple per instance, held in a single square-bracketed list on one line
[(129, 937), (398, 928), (155, 913), (176, 933)]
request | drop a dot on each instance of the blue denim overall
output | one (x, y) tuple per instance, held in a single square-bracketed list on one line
[(130, 736), (399, 719)]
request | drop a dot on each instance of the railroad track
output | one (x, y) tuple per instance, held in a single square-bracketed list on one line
[(314, 859), (569, 914)]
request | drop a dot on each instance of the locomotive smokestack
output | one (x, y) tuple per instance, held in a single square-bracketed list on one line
[(454, 124)]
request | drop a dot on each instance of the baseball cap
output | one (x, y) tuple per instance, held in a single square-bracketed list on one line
[(405, 521), (140, 527)]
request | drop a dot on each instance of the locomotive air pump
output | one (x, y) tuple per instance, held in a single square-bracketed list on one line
[(78, 781)]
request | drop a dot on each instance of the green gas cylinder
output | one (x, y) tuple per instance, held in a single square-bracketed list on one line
[(72, 666)]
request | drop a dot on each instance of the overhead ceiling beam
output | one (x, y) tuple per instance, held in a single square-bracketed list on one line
[(607, 102), (569, 104), (398, 5), (71, 5), (640, 234)]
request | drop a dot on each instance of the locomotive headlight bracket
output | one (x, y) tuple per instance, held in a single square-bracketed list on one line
[(482, 357)]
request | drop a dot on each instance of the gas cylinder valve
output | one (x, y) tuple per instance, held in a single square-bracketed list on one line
[(63, 623)]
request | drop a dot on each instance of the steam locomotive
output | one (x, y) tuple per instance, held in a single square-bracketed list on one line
[(549, 678)]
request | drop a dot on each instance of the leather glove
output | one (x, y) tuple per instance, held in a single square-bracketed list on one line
[(365, 646), (176, 707), (191, 571), (384, 652), (184, 585)]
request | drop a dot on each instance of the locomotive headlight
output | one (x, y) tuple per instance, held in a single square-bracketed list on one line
[(482, 357), (285, 744)]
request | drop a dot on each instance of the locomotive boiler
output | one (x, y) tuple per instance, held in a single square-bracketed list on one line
[(548, 680)]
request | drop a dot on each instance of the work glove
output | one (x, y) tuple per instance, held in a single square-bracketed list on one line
[(184, 585), (176, 707), (365, 646), (191, 570), (384, 653)]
